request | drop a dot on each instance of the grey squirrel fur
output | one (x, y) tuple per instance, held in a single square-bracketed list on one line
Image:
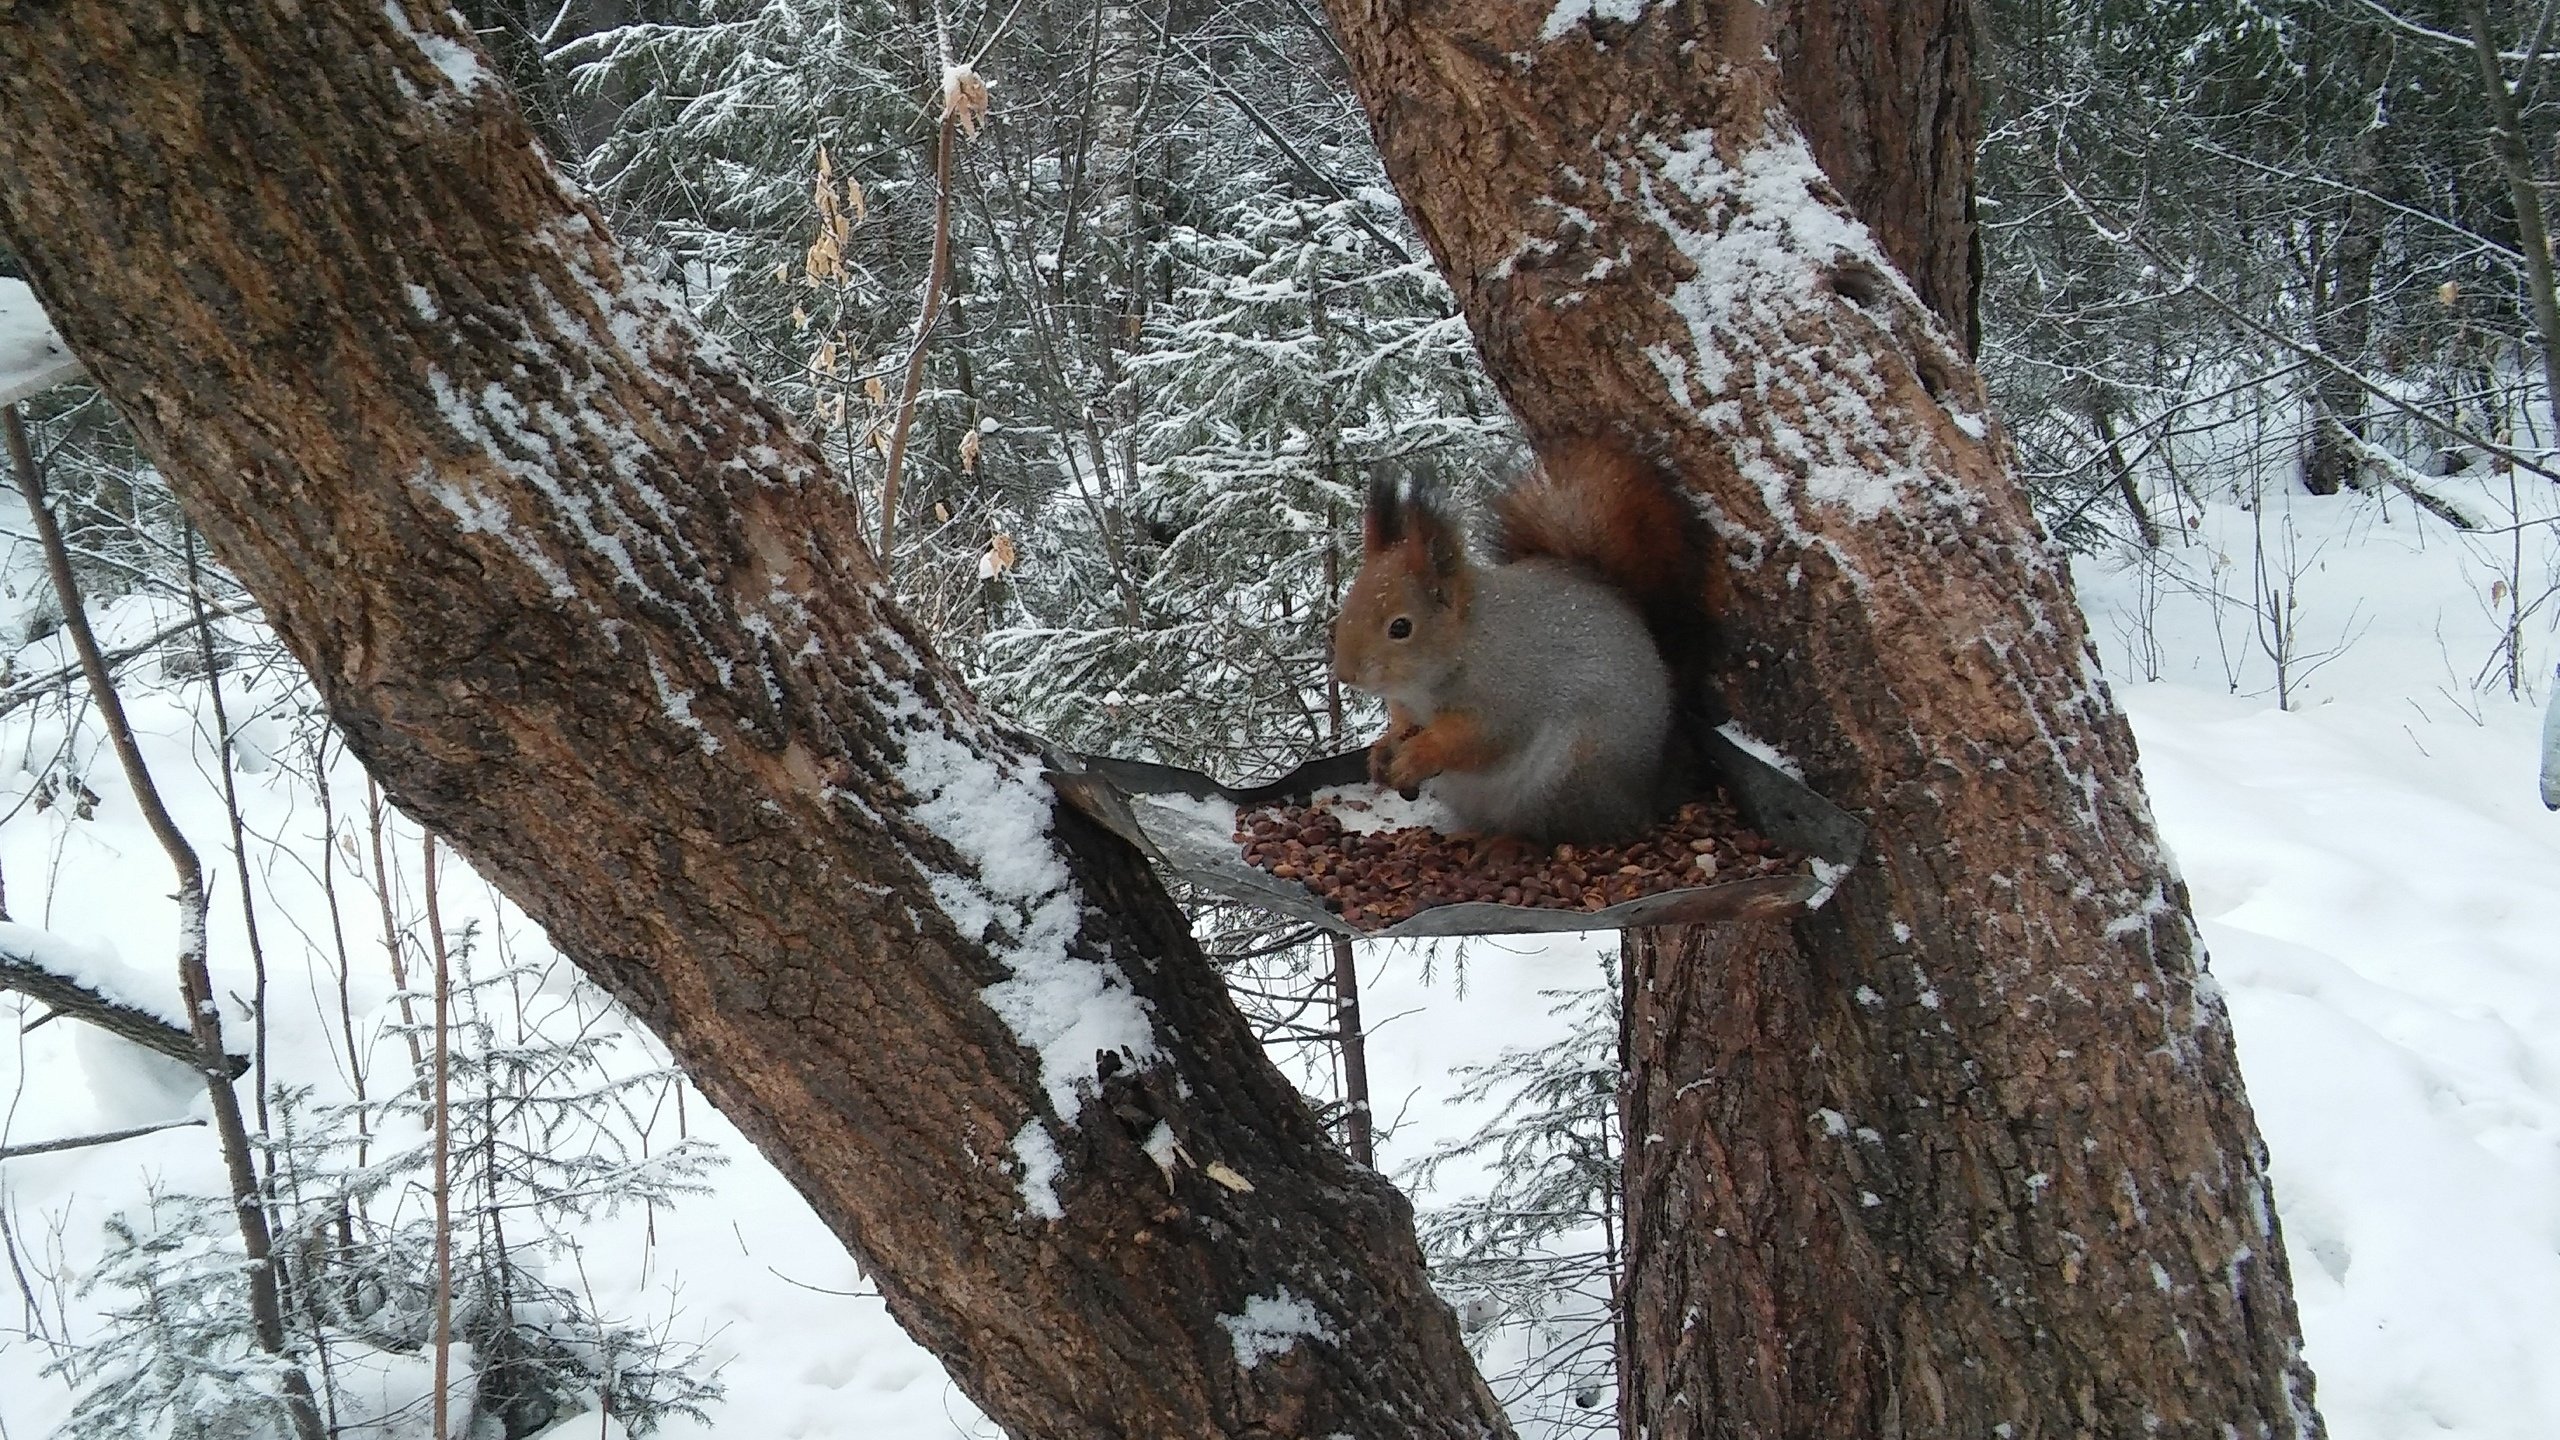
[(1526, 690)]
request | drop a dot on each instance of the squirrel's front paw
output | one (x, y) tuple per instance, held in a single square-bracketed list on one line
[(1383, 751), (1386, 759), (1406, 769)]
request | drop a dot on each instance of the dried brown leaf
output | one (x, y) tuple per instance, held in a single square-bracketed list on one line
[(964, 98)]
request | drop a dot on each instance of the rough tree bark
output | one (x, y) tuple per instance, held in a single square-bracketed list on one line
[(1884, 94), (1966, 1153), (595, 612)]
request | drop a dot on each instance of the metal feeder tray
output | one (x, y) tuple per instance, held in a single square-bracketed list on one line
[(1129, 798)]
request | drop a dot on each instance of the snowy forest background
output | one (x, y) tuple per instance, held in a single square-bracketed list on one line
[(2256, 309)]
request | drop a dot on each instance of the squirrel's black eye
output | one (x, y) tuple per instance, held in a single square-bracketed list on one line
[(1399, 628)]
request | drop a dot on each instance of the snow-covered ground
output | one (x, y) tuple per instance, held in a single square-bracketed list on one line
[(2377, 880), (2379, 887), (32, 357)]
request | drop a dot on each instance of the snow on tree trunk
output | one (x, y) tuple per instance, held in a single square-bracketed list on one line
[(594, 611), (1967, 1152)]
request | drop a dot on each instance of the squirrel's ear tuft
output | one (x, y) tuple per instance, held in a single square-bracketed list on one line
[(1428, 521), (1382, 519)]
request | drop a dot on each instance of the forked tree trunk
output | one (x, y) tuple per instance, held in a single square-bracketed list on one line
[(596, 613), (1884, 94), (1966, 1153)]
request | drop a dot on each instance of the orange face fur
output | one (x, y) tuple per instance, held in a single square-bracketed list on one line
[(1405, 614)]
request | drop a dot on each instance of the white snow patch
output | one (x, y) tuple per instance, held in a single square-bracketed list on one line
[(958, 78), (1207, 819), (1274, 1324), (1568, 14), (478, 514), (2138, 921), (592, 514), (2551, 750), (1764, 241), (32, 357), (1022, 905), (1760, 750), (1041, 1164), (678, 705), (99, 969), (1162, 1147), (1827, 876), (459, 62), (1369, 809)]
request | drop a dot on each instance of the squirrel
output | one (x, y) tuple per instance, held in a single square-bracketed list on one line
[(1529, 689)]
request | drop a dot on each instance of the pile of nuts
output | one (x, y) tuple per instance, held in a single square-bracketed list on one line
[(1377, 878)]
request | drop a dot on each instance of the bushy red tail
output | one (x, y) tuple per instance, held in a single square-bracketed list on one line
[(1594, 504)]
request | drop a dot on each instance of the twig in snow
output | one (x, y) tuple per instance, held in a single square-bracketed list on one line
[(83, 1142), (2405, 480)]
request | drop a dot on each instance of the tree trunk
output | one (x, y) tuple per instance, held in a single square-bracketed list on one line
[(2341, 321), (2340, 281), (1359, 1122), (1884, 94), (597, 614), (2515, 160), (1966, 1152)]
